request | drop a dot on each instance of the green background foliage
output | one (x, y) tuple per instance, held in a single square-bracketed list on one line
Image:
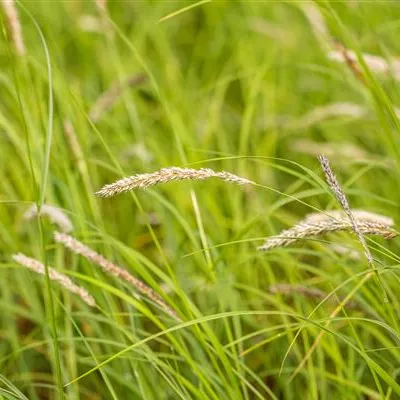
[(227, 84)]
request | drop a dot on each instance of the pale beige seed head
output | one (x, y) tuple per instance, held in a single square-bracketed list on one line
[(334, 185), (360, 215), (79, 248), (101, 5), (317, 23), (330, 149), (318, 224), (341, 197), (55, 214), (375, 63), (165, 175), (328, 111), (14, 25), (63, 280)]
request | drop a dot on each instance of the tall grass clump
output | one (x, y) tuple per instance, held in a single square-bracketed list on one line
[(166, 228)]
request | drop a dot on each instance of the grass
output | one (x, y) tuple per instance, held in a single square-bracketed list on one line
[(228, 85)]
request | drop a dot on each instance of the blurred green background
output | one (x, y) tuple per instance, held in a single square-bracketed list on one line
[(242, 86)]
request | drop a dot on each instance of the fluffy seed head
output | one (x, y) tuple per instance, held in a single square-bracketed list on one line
[(321, 113), (63, 280), (360, 215), (317, 22), (112, 269), (144, 181), (341, 197), (332, 149), (14, 25), (55, 214), (375, 63), (318, 224)]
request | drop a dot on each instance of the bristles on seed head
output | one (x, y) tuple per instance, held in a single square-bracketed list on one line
[(321, 113), (79, 248), (55, 214), (334, 184), (63, 280), (14, 24), (360, 215), (331, 149), (375, 63), (165, 175), (318, 224)]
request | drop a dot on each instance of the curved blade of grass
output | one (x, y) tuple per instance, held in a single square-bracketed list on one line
[(184, 9)]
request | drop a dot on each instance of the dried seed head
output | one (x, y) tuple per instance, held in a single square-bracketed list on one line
[(14, 25), (144, 181), (73, 141), (357, 226), (111, 268), (62, 279), (101, 5), (375, 63), (341, 197), (332, 149), (334, 184), (55, 214), (317, 22), (360, 215), (318, 224)]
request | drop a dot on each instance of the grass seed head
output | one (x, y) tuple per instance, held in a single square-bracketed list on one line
[(109, 267), (63, 280), (55, 214), (14, 25), (165, 175), (319, 224)]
